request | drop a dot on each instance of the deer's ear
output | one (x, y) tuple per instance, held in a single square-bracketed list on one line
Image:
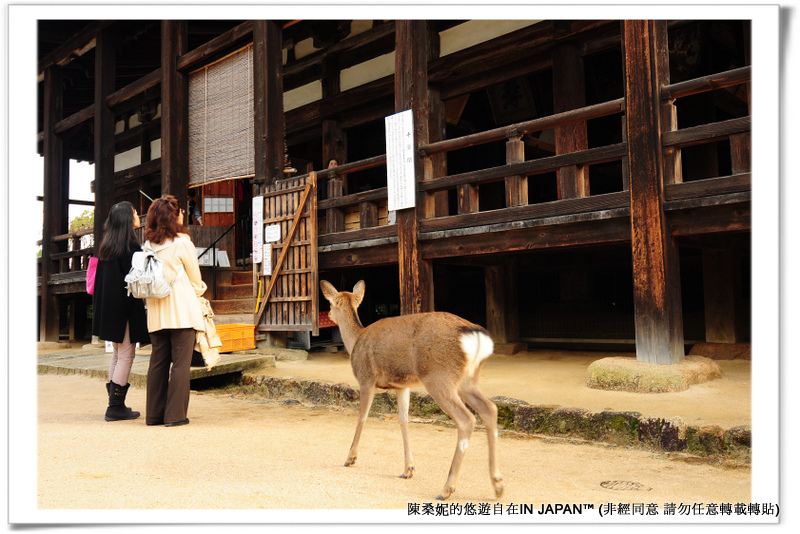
[(328, 291), (358, 291)]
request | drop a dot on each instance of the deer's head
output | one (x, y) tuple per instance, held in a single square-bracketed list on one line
[(343, 303)]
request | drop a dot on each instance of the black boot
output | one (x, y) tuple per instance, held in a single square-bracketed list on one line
[(117, 411)]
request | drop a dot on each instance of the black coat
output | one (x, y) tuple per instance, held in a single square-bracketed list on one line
[(113, 308)]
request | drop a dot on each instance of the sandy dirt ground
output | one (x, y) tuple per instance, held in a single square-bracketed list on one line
[(556, 377), (250, 454)]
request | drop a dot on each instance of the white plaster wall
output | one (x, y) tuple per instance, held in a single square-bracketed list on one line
[(474, 32), (368, 71), (302, 95)]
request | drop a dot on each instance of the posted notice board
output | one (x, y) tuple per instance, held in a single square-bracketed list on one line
[(401, 178)]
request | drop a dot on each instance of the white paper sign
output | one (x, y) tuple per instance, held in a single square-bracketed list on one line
[(272, 233), (258, 227), (401, 179), (267, 263)]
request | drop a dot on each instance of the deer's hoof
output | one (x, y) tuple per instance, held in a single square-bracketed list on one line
[(445, 494), (498, 486), (408, 473), (350, 461)]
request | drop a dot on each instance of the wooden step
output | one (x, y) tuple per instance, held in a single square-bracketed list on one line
[(242, 277), (229, 292)]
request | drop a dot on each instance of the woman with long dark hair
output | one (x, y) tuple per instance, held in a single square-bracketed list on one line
[(173, 320), (117, 317)]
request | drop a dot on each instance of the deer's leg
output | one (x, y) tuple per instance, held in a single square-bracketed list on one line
[(449, 401), (403, 399), (367, 394), (488, 412)]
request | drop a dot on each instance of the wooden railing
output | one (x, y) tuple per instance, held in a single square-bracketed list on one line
[(737, 131), (69, 266), (466, 184)]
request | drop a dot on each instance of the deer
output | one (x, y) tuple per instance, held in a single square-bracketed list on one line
[(440, 350)]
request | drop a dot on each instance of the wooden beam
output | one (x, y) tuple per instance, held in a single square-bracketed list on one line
[(219, 45), (174, 112), (656, 278), (411, 92), (269, 129), (134, 89), (74, 47)]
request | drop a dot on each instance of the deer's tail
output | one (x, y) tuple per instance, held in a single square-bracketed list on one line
[(477, 346)]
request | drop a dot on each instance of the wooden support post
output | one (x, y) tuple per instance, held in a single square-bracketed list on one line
[(722, 290), (673, 166), (269, 126), (53, 206), (334, 146), (569, 94), (468, 199), (656, 278), (104, 67), (368, 214), (174, 112), (502, 302), (411, 92), (516, 186), (334, 216), (740, 153), (435, 166), (268, 102)]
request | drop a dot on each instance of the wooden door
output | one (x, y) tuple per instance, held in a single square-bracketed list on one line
[(218, 204), (287, 294)]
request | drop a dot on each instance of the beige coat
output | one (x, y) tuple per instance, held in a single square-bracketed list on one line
[(207, 342), (180, 309)]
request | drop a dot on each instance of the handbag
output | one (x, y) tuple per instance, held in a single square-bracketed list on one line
[(91, 274)]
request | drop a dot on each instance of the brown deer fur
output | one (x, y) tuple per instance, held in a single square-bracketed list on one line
[(442, 351)]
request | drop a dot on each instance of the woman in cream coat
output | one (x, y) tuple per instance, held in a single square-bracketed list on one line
[(173, 320)]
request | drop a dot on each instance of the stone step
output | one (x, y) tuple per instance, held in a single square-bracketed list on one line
[(231, 318), (233, 306)]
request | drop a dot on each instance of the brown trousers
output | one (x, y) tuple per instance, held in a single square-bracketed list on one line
[(168, 375)]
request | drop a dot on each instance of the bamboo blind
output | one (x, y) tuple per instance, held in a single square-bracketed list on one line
[(221, 119)]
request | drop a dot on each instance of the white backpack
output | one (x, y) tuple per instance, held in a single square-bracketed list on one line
[(147, 278)]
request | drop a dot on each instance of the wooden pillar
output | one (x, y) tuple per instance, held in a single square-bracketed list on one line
[(174, 111), (104, 70), (516, 186), (656, 275), (53, 205), (673, 166), (437, 203), (411, 92), (268, 102), (334, 146), (722, 292), (269, 127), (502, 302), (569, 93)]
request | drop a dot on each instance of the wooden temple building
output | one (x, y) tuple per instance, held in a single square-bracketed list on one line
[(578, 183)]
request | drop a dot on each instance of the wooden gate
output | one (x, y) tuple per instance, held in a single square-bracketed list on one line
[(287, 294)]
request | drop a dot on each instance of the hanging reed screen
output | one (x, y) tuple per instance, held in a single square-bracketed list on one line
[(221, 119)]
